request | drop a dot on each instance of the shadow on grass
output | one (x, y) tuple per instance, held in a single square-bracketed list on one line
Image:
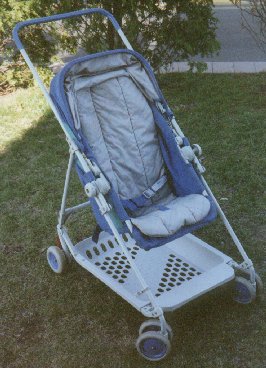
[(75, 320)]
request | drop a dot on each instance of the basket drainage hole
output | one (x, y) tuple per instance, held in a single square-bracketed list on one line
[(103, 247), (96, 251), (111, 245)]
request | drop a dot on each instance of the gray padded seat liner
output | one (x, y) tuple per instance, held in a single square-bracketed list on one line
[(108, 98), (118, 123), (169, 217)]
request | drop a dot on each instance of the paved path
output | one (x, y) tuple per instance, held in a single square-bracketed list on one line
[(239, 51)]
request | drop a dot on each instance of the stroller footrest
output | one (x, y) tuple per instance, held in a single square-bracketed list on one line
[(176, 273)]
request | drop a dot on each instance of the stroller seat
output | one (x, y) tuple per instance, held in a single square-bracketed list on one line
[(110, 98)]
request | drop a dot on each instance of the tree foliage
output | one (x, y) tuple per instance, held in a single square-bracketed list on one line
[(163, 31)]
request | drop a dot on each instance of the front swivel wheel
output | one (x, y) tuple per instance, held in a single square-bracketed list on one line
[(244, 292), (56, 259), (153, 346), (154, 325)]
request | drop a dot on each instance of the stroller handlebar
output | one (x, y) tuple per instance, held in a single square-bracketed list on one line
[(56, 17)]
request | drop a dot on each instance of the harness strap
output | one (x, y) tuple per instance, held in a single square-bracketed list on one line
[(135, 203)]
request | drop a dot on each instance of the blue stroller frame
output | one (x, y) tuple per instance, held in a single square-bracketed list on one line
[(144, 249)]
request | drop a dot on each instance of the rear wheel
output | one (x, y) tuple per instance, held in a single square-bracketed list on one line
[(244, 292), (153, 345), (259, 286), (154, 325), (56, 259)]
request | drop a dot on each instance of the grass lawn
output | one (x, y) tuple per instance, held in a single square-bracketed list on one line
[(76, 321)]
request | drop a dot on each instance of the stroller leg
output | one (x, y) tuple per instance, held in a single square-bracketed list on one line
[(61, 219), (156, 311), (248, 263)]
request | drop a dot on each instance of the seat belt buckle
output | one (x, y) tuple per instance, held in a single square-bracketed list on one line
[(148, 193)]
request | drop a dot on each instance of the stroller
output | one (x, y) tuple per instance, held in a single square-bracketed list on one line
[(144, 182)]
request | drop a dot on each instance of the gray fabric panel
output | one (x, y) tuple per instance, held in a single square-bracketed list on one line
[(118, 123), (97, 69), (102, 64), (177, 213), (116, 119)]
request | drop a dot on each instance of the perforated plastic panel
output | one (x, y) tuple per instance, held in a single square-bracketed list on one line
[(109, 258), (175, 273)]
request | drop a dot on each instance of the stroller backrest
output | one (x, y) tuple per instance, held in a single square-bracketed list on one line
[(109, 100)]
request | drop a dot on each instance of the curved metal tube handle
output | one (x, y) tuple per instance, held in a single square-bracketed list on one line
[(73, 14)]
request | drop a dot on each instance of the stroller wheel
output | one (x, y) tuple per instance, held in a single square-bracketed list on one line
[(154, 325), (245, 292), (153, 346), (259, 287), (259, 284), (56, 259)]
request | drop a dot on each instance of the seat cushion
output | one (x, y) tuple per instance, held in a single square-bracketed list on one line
[(168, 219)]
